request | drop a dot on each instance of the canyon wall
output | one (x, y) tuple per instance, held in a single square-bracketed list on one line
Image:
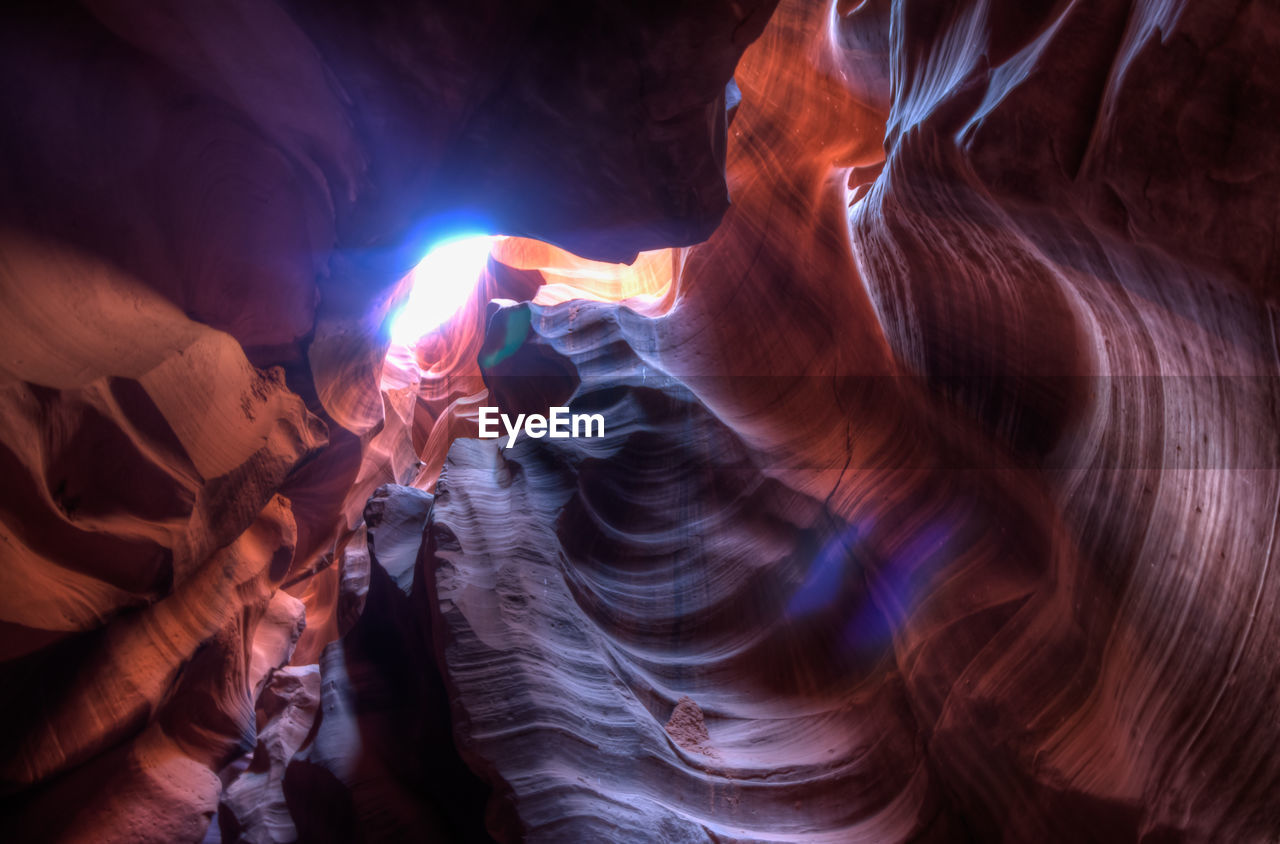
[(938, 489)]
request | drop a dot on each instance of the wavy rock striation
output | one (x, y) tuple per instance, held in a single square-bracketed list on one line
[(663, 618), (938, 492), (1031, 428)]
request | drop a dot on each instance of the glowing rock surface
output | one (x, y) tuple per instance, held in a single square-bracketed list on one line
[(939, 489)]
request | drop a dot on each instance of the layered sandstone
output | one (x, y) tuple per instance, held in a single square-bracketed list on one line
[(938, 490)]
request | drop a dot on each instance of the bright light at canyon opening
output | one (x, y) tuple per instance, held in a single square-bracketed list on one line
[(441, 283)]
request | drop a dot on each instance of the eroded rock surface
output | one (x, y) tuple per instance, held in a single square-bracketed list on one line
[(938, 494), (1041, 428)]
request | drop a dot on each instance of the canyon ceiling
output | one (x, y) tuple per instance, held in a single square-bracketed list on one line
[(937, 346)]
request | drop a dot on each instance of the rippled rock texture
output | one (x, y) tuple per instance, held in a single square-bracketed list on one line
[(938, 492)]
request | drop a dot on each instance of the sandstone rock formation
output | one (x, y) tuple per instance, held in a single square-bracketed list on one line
[(938, 491)]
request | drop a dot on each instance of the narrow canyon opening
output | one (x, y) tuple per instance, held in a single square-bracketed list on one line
[(432, 375)]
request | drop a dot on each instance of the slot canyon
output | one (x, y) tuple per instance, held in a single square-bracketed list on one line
[(937, 352)]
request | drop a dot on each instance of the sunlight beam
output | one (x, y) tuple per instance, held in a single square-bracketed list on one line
[(442, 282)]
